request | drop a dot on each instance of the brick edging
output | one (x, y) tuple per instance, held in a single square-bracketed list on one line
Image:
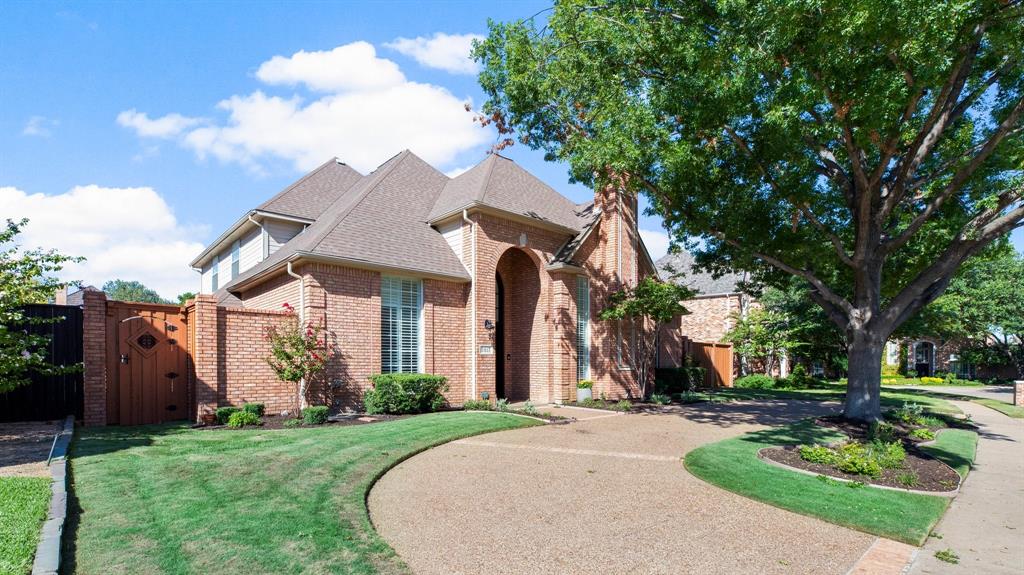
[(47, 560)]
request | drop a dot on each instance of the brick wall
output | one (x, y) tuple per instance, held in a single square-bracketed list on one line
[(94, 356), (270, 294), (444, 334), (243, 373)]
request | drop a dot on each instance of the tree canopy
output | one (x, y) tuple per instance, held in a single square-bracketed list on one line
[(867, 147), (123, 290)]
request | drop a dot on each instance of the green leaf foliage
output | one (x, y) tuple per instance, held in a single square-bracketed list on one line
[(134, 291)]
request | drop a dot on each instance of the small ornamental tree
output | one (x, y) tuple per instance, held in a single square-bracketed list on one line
[(649, 305), (764, 335), (297, 353), (25, 277)]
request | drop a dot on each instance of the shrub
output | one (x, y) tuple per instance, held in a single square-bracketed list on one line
[(923, 433), (931, 380), (529, 409), (799, 378), (624, 405), (255, 408), (669, 379), (405, 393), (502, 405), (584, 384), (889, 455), (223, 414), (315, 415), (243, 418), (818, 454), (591, 402), (755, 381), (292, 422), (661, 399), (882, 431), (910, 413), (477, 405), (855, 459)]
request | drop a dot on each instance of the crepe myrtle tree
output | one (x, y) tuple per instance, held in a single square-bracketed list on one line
[(297, 352), (648, 306), (867, 147), (26, 277)]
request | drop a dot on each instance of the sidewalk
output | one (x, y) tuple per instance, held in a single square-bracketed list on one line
[(985, 523)]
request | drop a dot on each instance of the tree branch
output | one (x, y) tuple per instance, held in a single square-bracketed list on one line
[(961, 176)]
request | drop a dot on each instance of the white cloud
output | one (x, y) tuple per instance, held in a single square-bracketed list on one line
[(448, 52), (124, 233), (455, 172), (369, 112), (39, 126), (350, 67), (656, 241), (167, 126)]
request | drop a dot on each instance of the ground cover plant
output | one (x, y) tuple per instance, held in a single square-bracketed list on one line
[(169, 499), (623, 405), (23, 505), (733, 464)]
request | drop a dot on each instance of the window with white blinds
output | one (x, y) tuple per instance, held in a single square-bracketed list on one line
[(400, 303), (582, 328)]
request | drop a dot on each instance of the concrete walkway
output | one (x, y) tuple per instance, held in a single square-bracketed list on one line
[(603, 495), (985, 523)]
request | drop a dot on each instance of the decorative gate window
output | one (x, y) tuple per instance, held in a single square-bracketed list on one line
[(400, 304)]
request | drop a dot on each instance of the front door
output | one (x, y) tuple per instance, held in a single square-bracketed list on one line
[(499, 338), (924, 355)]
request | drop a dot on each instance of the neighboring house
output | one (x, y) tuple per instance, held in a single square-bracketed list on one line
[(491, 279), (929, 356)]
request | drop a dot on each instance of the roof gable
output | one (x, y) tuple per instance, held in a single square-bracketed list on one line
[(500, 183), (315, 192)]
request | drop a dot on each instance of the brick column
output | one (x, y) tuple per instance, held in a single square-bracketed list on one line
[(94, 356), (206, 357), (1018, 393)]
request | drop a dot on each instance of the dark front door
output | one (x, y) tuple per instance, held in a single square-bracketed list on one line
[(924, 356), (499, 338)]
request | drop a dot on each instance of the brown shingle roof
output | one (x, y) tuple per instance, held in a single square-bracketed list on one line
[(679, 268), (379, 221), (500, 183), (315, 192)]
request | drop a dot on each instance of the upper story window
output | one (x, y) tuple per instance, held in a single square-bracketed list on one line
[(401, 303), (235, 254), (214, 273)]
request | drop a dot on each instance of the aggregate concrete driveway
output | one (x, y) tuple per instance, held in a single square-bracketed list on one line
[(608, 494)]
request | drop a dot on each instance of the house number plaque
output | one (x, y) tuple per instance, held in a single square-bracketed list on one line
[(486, 350)]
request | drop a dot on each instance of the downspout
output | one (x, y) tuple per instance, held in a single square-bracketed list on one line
[(472, 296), (302, 322)]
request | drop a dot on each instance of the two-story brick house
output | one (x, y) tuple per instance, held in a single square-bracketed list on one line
[(491, 278)]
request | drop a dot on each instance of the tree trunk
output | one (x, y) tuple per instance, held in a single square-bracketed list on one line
[(864, 353)]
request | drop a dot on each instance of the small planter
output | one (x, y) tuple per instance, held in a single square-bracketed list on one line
[(583, 393)]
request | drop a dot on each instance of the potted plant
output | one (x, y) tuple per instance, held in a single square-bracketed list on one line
[(584, 390)]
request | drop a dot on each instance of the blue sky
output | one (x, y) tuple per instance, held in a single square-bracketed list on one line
[(133, 133)]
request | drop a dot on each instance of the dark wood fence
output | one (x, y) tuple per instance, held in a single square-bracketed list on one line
[(50, 397)]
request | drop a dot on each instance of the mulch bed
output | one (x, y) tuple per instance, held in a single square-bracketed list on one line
[(277, 422), (932, 474)]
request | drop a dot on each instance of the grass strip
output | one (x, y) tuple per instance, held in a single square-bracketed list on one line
[(1014, 411), (733, 465), (23, 505), (168, 499)]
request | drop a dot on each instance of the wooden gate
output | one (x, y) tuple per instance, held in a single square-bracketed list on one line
[(146, 363), (716, 359)]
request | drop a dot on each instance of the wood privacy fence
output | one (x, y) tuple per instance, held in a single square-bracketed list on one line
[(716, 359), (56, 396)]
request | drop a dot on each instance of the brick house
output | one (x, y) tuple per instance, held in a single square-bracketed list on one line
[(491, 278)]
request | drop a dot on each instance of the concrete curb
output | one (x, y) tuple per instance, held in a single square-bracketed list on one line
[(47, 561)]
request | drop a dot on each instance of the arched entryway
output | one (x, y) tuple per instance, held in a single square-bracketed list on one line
[(517, 292)]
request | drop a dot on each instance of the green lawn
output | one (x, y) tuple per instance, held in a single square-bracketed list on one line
[(733, 465), (23, 505), (169, 499)]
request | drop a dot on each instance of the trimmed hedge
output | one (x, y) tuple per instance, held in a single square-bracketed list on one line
[(256, 409), (405, 393), (669, 380), (315, 415), (223, 414), (755, 381)]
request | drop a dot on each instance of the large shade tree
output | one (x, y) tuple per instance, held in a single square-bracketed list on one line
[(867, 147)]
